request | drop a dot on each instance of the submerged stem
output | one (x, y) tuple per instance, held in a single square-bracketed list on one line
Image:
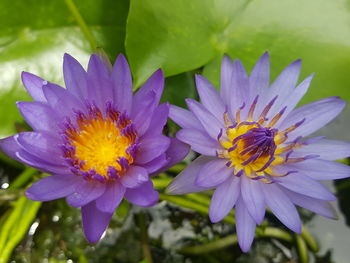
[(144, 238)]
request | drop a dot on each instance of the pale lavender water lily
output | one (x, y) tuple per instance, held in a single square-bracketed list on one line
[(253, 147), (100, 142)]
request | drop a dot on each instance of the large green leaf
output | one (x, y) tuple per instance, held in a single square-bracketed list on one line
[(35, 37), (180, 35)]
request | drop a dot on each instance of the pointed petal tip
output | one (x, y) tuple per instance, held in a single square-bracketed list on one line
[(227, 57), (157, 74), (266, 55), (214, 219), (121, 56), (24, 75), (19, 103), (67, 58), (245, 247), (122, 61), (297, 62), (29, 195), (171, 189), (189, 102)]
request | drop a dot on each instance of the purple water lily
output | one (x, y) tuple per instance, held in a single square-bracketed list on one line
[(253, 147), (99, 142)]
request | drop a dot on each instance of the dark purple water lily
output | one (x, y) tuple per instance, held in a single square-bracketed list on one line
[(99, 142), (253, 147)]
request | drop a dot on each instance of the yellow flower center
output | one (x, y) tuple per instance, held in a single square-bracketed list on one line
[(254, 147), (101, 147)]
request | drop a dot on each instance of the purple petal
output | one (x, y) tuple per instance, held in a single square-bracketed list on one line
[(210, 97), (159, 119), (61, 100), (302, 184), (184, 181), (86, 192), (42, 145), (10, 147), (184, 118), (282, 207), (142, 113), (226, 79), (224, 199), (134, 177), (321, 169), (200, 142), (46, 165), (240, 93), (38, 115), (144, 196), (326, 149), (259, 80), (317, 206), (33, 85), (213, 173), (95, 222), (154, 84), (151, 148), (53, 187), (316, 114), (121, 78), (253, 198), (292, 100), (283, 86), (99, 84), (176, 152), (245, 226), (75, 77), (320, 207), (156, 165), (211, 124), (111, 198)]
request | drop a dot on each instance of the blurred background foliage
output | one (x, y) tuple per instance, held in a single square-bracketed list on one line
[(183, 38)]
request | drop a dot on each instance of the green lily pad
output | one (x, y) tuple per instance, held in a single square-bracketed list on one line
[(184, 35)]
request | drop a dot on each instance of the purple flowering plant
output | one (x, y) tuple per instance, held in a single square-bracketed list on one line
[(255, 149), (98, 141)]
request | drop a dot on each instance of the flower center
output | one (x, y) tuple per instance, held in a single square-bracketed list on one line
[(255, 148), (250, 147), (100, 146)]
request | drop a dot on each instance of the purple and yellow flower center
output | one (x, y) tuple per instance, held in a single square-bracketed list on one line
[(100, 146), (255, 147)]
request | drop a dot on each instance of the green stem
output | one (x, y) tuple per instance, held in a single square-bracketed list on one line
[(275, 233), (183, 202), (10, 161), (302, 249), (200, 198), (177, 168), (161, 183), (215, 245), (83, 26), (144, 238), (31, 208), (10, 222), (232, 240), (309, 240), (23, 178)]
